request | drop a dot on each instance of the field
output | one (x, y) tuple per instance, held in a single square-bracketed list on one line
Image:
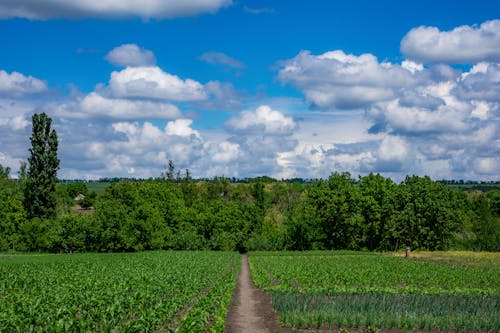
[(129, 292), (325, 290), (97, 187), (167, 291)]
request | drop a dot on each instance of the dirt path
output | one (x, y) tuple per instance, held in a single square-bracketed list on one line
[(251, 310)]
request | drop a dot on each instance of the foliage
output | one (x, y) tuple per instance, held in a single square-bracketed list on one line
[(355, 289), (41, 178), (371, 213), (149, 291), (76, 188), (486, 223)]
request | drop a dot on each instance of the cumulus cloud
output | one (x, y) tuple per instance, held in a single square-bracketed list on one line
[(144, 148), (462, 45), (17, 85), (219, 58), (226, 152), (221, 96), (181, 127), (487, 165), (263, 120), (16, 123), (96, 106), (152, 82), (392, 116), (114, 9), (130, 55), (345, 81), (482, 82)]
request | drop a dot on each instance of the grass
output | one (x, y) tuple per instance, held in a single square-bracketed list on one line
[(147, 291), (486, 260), (437, 291), (97, 187)]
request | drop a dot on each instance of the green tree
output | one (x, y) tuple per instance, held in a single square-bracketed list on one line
[(376, 208), (428, 214), (12, 213), (486, 225), (73, 189), (40, 184), (4, 172)]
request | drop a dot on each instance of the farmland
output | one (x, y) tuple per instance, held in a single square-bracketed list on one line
[(355, 290), (148, 291)]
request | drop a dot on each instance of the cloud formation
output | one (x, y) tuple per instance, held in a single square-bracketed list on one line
[(108, 9), (462, 45), (18, 85), (263, 120), (154, 83), (219, 58), (339, 80), (130, 55), (360, 115), (95, 106)]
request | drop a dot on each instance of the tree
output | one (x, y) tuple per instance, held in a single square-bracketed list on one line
[(4, 172), (41, 178), (376, 208)]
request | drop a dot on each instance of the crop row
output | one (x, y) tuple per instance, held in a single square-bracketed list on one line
[(325, 290), (369, 273), (150, 291)]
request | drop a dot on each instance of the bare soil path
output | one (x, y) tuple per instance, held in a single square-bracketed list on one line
[(251, 310)]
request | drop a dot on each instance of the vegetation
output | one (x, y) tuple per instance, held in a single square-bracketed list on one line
[(371, 213), (355, 290), (148, 291), (175, 212), (41, 178)]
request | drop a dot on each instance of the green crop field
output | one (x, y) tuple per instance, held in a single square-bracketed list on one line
[(130, 292), (366, 290), (97, 187)]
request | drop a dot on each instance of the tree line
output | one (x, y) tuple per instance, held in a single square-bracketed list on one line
[(175, 212)]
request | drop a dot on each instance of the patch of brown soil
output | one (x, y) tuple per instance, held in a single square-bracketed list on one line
[(251, 310), (80, 210)]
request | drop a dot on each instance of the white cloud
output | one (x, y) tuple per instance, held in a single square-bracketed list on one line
[(412, 66), (96, 106), (130, 55), (17, 85), (226, 152), (221, 96), (181, 127), (152, 82), (145, 9), (263, 120), (216, 58), (16, 123), (482, 82), (464, 44), (415, 120), (144, 148), (487, 165), (339, 80), (393, 148)]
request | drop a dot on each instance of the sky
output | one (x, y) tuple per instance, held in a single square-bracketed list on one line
[(242, 88)]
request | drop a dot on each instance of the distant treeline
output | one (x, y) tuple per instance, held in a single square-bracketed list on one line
[(463, 184), (367, 213)]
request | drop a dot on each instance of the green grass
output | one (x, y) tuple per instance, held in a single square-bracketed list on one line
[(342, 289), (148, 291), (487, 260), (97, 187)]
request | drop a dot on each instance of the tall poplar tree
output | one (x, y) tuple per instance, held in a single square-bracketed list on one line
[(41, 178)]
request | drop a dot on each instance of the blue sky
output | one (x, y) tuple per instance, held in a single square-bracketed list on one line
[(246, 88)]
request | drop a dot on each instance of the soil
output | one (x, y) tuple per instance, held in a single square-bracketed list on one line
[(251, 310), (79, 209)]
